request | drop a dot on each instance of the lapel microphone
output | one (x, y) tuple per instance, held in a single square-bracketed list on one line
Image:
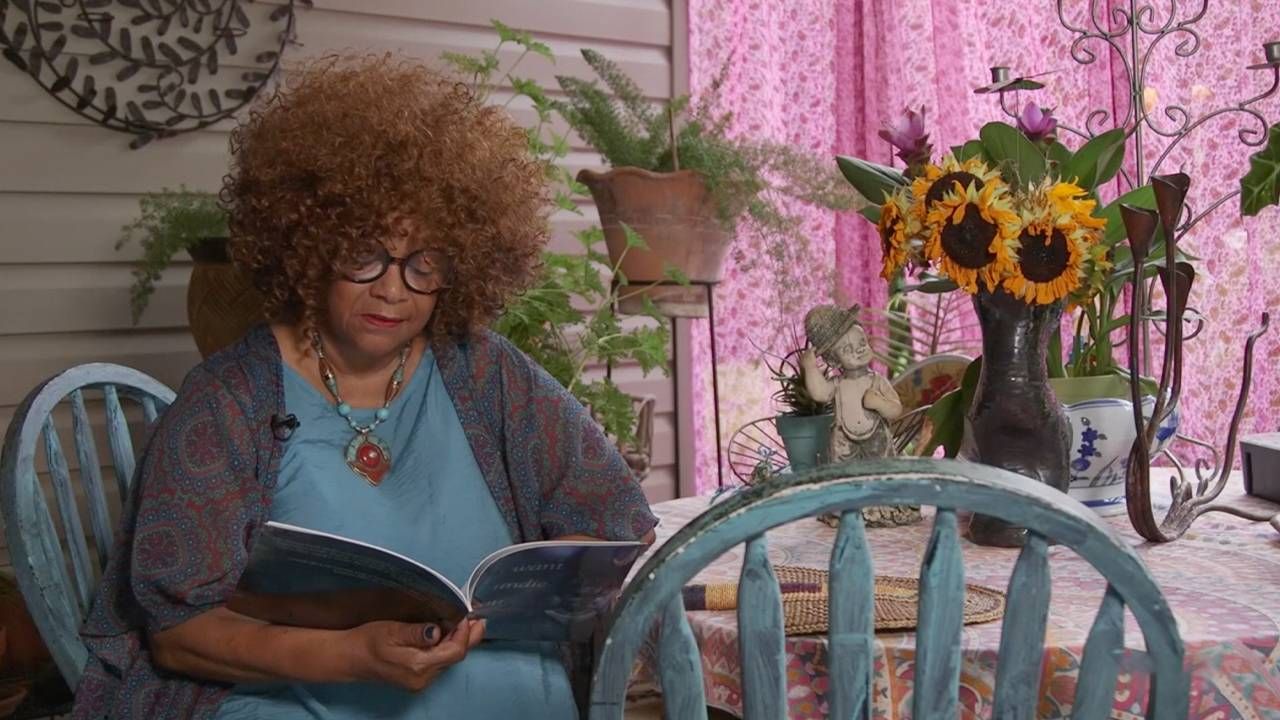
[(282, 426)]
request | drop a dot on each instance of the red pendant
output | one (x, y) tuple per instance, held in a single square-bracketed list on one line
[(369, 457)]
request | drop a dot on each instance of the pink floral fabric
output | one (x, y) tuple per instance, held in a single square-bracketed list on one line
[(824, 74)]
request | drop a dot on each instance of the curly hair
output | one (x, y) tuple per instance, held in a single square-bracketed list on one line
[(350, 146)]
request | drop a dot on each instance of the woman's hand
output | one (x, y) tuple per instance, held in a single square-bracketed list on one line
[(410, 655)]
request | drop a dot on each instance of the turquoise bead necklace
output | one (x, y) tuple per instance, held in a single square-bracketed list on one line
[(367, 455)]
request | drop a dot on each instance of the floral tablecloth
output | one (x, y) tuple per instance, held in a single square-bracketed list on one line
[(1222, 581)]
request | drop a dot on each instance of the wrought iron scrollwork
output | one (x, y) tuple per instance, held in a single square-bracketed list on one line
[(149, 68), (1132, 33)]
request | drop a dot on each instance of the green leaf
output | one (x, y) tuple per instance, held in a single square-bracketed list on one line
[(675, 274), (1053, 356), (970, 150), (1097, 161), (505, 32), (539, 48), (1058, 154), (1009, 148), (633, 238), (934, 287), (1260, 188), (947, 413), (873, 182), (872, 213)]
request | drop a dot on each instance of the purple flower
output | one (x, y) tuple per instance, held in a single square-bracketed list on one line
[(906, 133), (1037, 123)]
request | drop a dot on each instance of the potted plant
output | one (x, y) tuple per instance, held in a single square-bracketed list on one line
[(570, 321), (685, 185), (804, 423), (221, 302)]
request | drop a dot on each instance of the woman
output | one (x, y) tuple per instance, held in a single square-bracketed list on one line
[(387, 217)]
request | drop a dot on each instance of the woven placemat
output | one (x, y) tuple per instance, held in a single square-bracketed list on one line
[(897, 602)]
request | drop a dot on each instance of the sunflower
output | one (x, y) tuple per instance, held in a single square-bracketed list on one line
[(972, 232), (898, 225), (1058, 240), (935, 181)]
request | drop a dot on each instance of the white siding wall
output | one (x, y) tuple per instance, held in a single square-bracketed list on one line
[(67, 186)]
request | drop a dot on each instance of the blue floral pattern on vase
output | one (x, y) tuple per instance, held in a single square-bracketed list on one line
[(1102, 433)]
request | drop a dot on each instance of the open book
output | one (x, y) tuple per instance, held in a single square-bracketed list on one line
[(552, 590)]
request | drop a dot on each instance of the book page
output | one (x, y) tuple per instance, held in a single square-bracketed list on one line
[(554, 590), (308, 578)]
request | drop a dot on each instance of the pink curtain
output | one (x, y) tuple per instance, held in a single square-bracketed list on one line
[(823, 74)]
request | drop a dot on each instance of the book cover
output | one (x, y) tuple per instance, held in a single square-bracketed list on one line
[(552, 590)]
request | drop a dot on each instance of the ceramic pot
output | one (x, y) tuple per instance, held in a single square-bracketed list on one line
[(222, 303), (805, 437), (679, 222), (1015, 422), (1102, 434)]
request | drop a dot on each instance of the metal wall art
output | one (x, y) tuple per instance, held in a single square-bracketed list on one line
[(150, 68), (1132, 32)]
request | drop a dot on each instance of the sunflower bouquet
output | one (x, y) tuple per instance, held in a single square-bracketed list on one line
[(1012, 211), (961, 220)]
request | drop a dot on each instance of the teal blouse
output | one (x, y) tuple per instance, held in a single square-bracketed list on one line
[(433, 506)]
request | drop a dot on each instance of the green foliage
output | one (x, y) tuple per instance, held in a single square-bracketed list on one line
[(946, 415), (792, 395), (752, 182), (568, 321), (873, 182), (1260, 188), (1021, 162), (169, 222)]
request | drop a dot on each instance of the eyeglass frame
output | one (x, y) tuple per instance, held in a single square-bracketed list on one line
[(388, 260)]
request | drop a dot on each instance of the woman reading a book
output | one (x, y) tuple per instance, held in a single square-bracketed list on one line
[(386, 216)]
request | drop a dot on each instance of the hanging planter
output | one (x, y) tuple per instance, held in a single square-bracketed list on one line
[(222, 303), (676, 217)]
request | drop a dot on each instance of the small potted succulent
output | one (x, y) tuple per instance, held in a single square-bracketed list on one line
[(804, 423)]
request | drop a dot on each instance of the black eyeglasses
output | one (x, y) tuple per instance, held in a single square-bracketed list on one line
[(424, 272)]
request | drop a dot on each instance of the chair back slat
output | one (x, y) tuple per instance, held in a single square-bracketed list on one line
[(150, 411), (680, 665), (852, 621), (1102, 650), (73, 529), (91, 477), (1022, 633), (119, 440), (941, 612), (762, 649), (57, 578)]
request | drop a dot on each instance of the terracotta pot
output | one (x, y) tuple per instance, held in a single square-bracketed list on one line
[(677, 218), (222, 303)]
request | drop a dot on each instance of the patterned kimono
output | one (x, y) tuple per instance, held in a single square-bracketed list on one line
[(204, 488)]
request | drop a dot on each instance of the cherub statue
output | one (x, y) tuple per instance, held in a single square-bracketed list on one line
[(865, 402)]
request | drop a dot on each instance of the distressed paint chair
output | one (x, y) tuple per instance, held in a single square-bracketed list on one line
[(58, 592), (949, 486)]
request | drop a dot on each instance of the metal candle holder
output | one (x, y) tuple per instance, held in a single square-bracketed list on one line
[(1186, 502)]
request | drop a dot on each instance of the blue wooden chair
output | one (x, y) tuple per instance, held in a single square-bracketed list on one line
[(949, 486), (57, 592)]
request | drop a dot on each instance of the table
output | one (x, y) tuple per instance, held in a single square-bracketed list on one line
[(1222, 580)]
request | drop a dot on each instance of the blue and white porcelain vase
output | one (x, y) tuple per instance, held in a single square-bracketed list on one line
[(1102, 433)]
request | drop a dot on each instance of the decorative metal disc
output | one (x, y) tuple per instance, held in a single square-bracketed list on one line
[(150, 68)]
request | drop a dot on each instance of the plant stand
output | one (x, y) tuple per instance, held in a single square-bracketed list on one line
[(708, 287)]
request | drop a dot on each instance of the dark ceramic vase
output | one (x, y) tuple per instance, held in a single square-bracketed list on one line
[(1015, 421)]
